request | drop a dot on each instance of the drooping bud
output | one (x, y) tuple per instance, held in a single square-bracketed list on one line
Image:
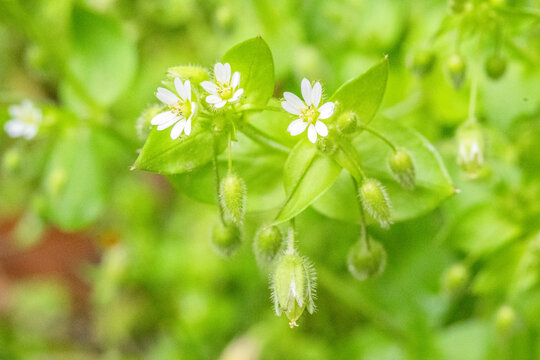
[(347, 123), (455, 279), (375, 201), (293, 287), (402, 168), (226, 238), (326, 145), (366, 259), (232, 194), (456, 69), (495, 67), (457, 6), (193, 73), (143, 124), (423, 62), (506, 320), (471, 149), (267, 243)]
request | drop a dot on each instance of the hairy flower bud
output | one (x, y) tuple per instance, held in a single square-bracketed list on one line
[(455, 279), (232, 194), (423, 62), (326, 145), (195, 74), (226, 238), (375, 201), (347, 123), (456, 69), (402, 168), (366, 260), (143, 125), (267, 243), (471, 149), (495, 67), (293, 286)]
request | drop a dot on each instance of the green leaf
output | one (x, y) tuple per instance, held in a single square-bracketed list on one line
[(307, 175), (74, 183), (163, 155), (364, 94), (103, 58), (253, 59), (433, 183)]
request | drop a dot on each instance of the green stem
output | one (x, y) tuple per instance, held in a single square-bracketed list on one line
[(249, 107), (218, 180), (290, 237), (363, 227), (472, 99), (262, 138), (230, 153), (380, 136), (350, 160)]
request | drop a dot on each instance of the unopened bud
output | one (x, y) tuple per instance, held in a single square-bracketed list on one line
[(267, 243), (347, 123), (402, 168), (423, 62), (195, 74), (375, 201), (455, 280), (293, 287), (326, 145), (456, 69), (506, 320), (226, 238), (457, 6), (232, 194), (143, 125), (495, 67), (366, 260), (471, 149)]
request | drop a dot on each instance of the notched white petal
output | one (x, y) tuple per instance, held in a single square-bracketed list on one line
[(321, 128), (316, 94), (235, 80), (168, 123), (187, 129), (166, 96), (179, 85), (294, 100), (312, 133), (213, 99), (297, 127), (220, 104), (290, 108), (227, 73), (326, 110), (209, 87), (236, 95), (187, 86), (306, 91), (177, 129), (162, 118)]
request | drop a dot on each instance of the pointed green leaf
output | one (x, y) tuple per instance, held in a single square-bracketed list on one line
[(253, 59), (163, 155), (364, 94), (433, 183), (307, 175)]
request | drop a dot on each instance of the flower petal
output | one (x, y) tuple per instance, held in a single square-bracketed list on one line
[(168, 123), (326, 110), (177, 129), (297, 127), (187, 86), (227, 74), (306, 91), (14, 128), (236, 95), (162, 118), (294, 101), (220, 105), (213, 99), (179, 85), (235, 80), (30, 131), (312, 133), (187, 129), (166, 96), (316, 94), (209, 87), (220, 73), (321, 128)]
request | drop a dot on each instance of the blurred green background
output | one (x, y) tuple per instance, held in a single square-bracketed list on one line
[(99, 262)]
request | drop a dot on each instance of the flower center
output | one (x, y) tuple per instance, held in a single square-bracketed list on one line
[(309, 114), (225, 92), (181, 108)]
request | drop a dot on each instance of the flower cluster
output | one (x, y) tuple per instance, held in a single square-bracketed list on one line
[(25, 120)]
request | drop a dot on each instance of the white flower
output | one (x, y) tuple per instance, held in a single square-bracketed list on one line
[(25, 120), (308, 111), (224, 90), (181, 109)]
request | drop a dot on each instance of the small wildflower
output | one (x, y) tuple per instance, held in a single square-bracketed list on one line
[(308, 111), (224, 90), (181, 109), (25, 120)]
